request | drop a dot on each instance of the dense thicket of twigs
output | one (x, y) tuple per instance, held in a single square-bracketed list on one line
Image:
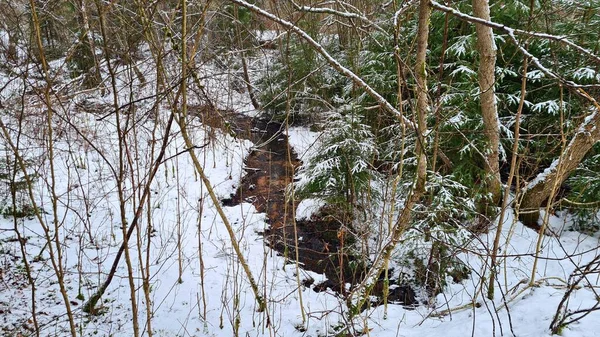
[(439, 120)]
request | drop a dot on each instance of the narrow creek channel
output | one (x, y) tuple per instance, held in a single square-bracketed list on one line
[(270, 168)]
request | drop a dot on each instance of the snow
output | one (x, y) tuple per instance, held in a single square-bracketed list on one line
[(303, 141), (535, 74), (308, 207), (542, 176), (266, 35), (586, 73), (552, 107), (211, 295)]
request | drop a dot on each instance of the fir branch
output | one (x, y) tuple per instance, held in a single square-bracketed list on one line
[(330, 59), (513, 32)]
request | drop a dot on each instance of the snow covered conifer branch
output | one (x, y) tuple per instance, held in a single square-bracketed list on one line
[(331, 60)]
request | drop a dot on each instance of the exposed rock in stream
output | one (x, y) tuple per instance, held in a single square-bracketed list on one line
[(270, 169)]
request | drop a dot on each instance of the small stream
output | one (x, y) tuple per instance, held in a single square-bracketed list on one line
[(269, 170)]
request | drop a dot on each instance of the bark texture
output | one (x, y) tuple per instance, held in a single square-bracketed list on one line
[(541, 188), (487, 100)]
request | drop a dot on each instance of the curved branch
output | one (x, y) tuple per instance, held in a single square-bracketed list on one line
[(508, 30), (346, 15), (387, 106)]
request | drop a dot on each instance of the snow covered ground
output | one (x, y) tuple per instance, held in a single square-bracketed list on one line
[(197, 285)]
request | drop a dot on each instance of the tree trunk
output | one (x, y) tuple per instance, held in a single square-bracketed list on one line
[(487, 100), (92, 74), (403, 221), (540, 189), (11, 53)]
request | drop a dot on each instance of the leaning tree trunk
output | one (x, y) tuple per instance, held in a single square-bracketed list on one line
[(540, 189), (487, 99)]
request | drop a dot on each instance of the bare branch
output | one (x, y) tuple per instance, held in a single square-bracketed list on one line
[(403, 10), (512, 32), (332, 61), (347, 15)]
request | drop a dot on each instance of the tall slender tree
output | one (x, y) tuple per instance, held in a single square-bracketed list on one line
[(489, 112)]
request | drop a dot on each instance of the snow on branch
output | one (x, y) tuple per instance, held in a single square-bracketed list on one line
[(588, 130), (402, 10), (347, 15), (332, 61), (512, 32)]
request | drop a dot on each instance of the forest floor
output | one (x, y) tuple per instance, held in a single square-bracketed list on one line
[(198, 286)]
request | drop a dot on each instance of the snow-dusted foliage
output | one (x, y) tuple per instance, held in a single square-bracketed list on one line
[(341, 169), (196, 267), (438, 231), (584, 195), (299, 78)]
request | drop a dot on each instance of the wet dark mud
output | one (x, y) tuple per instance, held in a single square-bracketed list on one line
[(322, 244)]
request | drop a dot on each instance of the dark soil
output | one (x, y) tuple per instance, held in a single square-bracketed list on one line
[(322, 243)]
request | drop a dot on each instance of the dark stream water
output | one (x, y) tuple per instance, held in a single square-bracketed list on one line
[(270, 169)]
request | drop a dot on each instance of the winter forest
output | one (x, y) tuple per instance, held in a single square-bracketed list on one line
[(300, 168)]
